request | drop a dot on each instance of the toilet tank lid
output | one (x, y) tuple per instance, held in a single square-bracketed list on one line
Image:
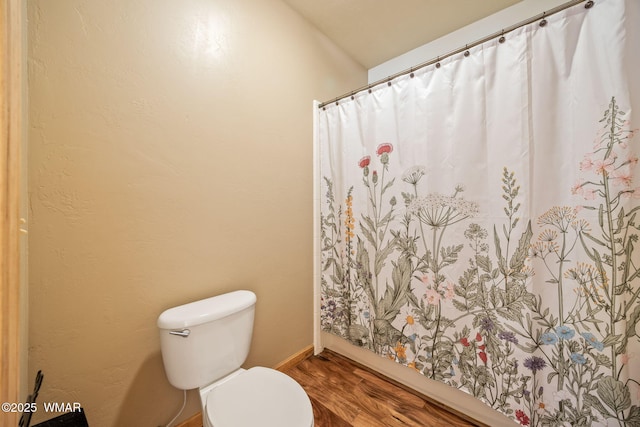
[(206, 310)]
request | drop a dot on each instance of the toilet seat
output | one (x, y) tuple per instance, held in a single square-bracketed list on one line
[(259, 397)]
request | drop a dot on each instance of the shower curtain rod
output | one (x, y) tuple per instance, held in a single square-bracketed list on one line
[(464, 49)]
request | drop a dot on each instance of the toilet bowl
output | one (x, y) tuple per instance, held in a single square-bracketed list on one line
[(205, 343), (256, 397)]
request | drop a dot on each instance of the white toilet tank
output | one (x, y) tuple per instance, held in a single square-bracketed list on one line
[(206, 340)]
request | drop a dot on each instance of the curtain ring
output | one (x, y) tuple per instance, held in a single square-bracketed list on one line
[(588, 5), (412, 75), (389, 82), (466, 52), (544, 21), (438, 62), (502, 39)]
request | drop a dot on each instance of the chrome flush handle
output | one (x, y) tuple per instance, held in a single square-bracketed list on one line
[(184, 333)]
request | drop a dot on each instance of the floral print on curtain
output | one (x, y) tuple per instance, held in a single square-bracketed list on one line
[(577, 344), (535, 315)]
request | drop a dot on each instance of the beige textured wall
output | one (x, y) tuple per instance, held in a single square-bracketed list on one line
[(170, 159)]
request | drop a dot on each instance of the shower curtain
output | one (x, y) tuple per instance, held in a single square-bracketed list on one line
[(480, 218)]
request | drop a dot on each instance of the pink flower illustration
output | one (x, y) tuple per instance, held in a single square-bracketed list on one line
[(384, 148), (622, 178), (364, 162), (432, 296), (603, 166), (577, 188), (586, 163), (580, 189), (483, 356), (631, 194), (589, 194), (449, 293)]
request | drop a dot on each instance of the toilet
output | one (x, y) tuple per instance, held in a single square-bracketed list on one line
[(205, 343)]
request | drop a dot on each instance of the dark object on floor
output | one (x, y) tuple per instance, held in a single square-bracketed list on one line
[(25, 419), (70, 419)]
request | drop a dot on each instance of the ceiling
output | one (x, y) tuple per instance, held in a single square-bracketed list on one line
[(375, 31)]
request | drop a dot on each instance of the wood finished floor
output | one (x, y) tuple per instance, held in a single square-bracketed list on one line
[(345, 394)]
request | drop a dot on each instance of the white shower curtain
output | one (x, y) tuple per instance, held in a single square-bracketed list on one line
[(479, 220)]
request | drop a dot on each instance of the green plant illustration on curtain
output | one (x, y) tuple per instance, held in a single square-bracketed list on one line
[(388, 273)]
